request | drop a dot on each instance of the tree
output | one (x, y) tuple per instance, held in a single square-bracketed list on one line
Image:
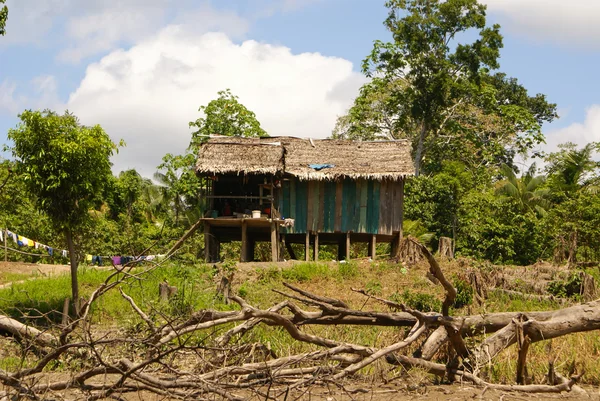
[(66, 166), (571, 169), (525, 192), (3, 18), (225, 116), (179, 184), (436, 84)]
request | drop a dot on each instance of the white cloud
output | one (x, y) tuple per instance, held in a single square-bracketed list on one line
[(572, 23), (579, 133), (91, 27), (39, 93), (148, 94)]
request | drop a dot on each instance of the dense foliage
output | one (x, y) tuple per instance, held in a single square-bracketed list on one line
[(444, 94), (437, 84)]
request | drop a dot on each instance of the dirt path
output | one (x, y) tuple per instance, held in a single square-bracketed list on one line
[(12, 272)]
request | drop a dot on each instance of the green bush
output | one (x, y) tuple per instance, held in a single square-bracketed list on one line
[(569, 288), (348, 270), (464, 293), (302, 272), (418, 300)]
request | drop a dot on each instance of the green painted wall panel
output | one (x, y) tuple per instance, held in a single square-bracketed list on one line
[(362, 223), (348, 205), (315, 204), (301, 206), (370, 228), (356, 208), (284, 203), (329, 207), (374, 208), (284, 208)]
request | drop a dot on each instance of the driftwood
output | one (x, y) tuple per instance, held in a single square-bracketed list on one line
[(228, 367)]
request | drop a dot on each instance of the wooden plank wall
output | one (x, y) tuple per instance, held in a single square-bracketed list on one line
[(362, 206)]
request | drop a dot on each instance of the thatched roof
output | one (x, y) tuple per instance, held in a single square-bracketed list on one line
[(353, 159)]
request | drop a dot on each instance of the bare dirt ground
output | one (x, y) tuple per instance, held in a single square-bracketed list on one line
[(356, 391), (23, 270), (32, 268)]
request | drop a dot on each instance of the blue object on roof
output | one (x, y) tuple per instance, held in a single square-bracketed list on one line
[(319, 167)]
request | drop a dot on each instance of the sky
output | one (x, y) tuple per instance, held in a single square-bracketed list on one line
[(142, 68)]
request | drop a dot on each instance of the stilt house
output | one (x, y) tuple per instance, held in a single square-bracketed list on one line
[(287, 190)]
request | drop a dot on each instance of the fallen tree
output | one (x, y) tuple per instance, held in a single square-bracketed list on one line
[(231, 369)]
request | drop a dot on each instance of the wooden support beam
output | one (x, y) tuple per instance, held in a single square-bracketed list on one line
[(373, 247), (244, 252), (316, 247), (290, 250), (341, 249), (347, 246), (274, 243), (251, 248), (207, 242), (307, 247), (396, 245), (215, 249)]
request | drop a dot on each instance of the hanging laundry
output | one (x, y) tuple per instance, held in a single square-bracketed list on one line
[(20, 240), (37, 245), (30, 243), (97, 259), (1, 235), (50, 251), (64, 253), (88, 258), (116, 260)]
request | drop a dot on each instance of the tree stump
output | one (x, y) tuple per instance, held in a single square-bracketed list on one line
[(589, 291), (446, 248), (224, 288), (166, 291), (409, 252)]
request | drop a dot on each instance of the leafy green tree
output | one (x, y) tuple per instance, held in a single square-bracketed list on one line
[(66, 166), (571, 169), (436, 85), (493, 229), (3, 18), (179, 184), (526, 192), (225, 116)]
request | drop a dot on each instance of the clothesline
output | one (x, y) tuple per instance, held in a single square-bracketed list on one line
[(22, 241)]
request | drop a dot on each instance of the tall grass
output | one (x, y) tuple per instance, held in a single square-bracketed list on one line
[(196, 285)]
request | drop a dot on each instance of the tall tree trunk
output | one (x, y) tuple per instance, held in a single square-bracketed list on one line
[(74, 265), (420, 146)]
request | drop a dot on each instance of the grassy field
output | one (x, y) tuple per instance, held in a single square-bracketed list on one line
[(40, 299)]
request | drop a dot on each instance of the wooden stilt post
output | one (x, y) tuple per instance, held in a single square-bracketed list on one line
[(396, 245), (251, 247), (307, 247), (316, 247), (244, 251), (207, 242), (290, 250), (347, 246), (373, 247), (274, 243), (341, 251), (216, 249)]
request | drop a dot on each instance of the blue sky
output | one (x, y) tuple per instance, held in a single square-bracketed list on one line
[(141, 68)]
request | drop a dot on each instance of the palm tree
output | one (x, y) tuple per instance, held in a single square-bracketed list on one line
[(570, 168), (524, 191)]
